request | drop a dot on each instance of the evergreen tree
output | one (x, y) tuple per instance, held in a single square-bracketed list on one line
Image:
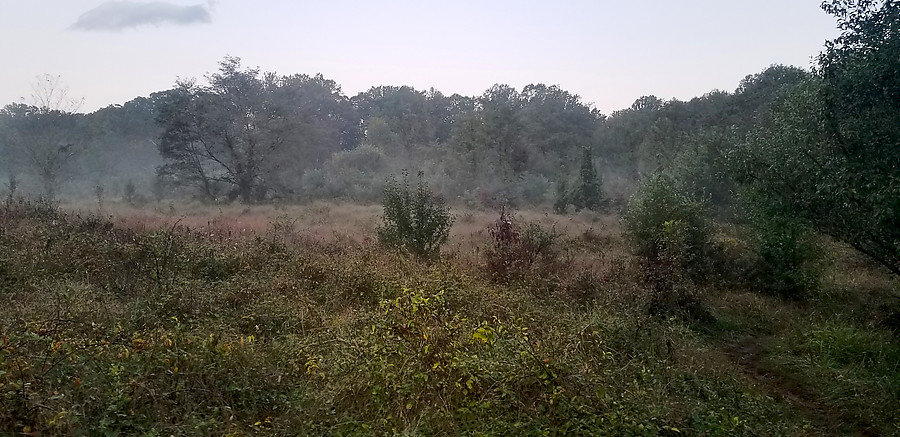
[(588, 194), (562, 196)]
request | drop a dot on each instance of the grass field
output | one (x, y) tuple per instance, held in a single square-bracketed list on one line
[(191, 320)]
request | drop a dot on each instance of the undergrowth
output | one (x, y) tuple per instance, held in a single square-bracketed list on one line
[(181, 332)]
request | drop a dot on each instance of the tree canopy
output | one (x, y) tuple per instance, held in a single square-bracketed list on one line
[(830, 152)]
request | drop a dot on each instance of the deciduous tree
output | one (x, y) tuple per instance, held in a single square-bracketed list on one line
[(44, 137), (830, 155)]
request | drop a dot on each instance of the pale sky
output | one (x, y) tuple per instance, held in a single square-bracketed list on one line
[(608, 52)]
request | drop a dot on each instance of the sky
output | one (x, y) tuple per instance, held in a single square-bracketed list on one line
[(608, 52)]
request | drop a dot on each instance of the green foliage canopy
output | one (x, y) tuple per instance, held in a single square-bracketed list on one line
[(830, 152)]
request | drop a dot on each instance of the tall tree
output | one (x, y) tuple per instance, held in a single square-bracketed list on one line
[(44, 137), (831, 152), (499, 110), (589, 193), (125, 150), (222, 136), (401, 119), (323, 120), (556, 124), (396, 118)]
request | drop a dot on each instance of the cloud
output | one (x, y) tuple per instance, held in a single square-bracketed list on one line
[(118, 15)]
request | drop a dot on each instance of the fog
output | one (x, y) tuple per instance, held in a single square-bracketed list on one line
[(244, 135)]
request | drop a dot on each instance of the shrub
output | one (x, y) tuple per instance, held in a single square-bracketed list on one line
[(515, 249), (131, 195), (669, 227), (417, 222), (786, 252), (532, 188)]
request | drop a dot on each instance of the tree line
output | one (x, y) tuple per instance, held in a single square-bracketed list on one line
[(242, 134)]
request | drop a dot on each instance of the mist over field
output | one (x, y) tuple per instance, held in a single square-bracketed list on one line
[(251, 252), (243, 134)]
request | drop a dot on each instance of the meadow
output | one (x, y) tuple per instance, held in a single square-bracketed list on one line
[(294, 320)]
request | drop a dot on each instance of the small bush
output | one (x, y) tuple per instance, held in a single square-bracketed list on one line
[(515, 249), (786, 253), (669, 227), (417, 222), (532, 188), (672, 233)]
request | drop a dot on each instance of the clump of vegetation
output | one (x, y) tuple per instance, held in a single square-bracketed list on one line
[(669, 228), (131, 196), (174, 331), (515, 250), (786, 253), (414, 221), (589, 192), (672, 234)]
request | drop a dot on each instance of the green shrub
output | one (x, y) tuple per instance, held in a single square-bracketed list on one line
[(669, 227), (672, 232), (417, 222), (786, 252)]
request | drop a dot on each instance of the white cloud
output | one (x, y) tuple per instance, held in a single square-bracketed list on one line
[(118, 15)]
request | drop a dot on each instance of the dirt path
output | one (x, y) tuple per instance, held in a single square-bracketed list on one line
[(746, 352)]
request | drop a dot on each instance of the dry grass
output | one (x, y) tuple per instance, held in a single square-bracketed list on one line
[(595, 240), (319, 221)]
